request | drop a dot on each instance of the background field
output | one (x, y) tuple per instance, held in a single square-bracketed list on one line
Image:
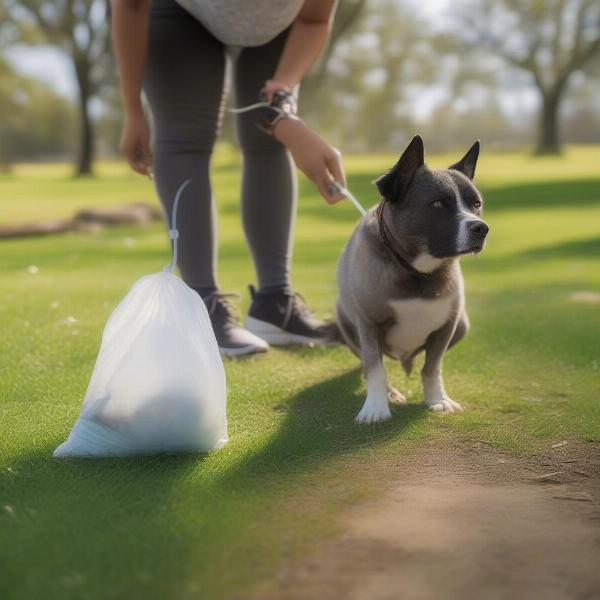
[(528, 375)]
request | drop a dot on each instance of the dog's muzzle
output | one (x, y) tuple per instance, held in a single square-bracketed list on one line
[(477, 232), (478, 228)]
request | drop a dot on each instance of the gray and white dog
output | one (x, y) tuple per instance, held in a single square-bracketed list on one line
[(400, 284)]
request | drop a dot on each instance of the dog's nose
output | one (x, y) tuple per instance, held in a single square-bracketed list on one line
[(478, 228)]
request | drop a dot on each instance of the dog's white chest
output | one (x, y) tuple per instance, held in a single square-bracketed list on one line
[(415, 320)]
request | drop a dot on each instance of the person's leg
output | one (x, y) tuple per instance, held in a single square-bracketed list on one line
[(184, 82), (269, 180), (276, 314)]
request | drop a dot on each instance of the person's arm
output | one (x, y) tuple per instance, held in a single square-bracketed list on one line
[(317, 159), (307, 38), (130, 22)]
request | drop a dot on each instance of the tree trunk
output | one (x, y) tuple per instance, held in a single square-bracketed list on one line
[(549, 127), (86, 131)]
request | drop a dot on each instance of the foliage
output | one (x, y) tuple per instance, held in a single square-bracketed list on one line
[(549, 40), (80, 29), (373, 74), (36, 122)]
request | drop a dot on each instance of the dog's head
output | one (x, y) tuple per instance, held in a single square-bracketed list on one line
[(436, 213)]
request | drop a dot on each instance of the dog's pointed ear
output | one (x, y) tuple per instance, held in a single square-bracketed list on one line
[(466, 165), (393, 184)]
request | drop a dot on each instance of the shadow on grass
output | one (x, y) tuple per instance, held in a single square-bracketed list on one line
[(583, 248), (319, 425), (80, 528), (568, 193), (125, 524)]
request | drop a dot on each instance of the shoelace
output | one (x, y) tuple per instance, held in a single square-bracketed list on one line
[(221, 299), (298, 302)]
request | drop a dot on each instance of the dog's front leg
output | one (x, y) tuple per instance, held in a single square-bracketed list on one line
[(376, 406), (436, 397)]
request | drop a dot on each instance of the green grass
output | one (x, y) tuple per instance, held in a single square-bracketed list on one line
[(210, 526)]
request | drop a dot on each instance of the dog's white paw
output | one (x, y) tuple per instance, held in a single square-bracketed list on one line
[(395, 396), (445, 404), (373, 412)]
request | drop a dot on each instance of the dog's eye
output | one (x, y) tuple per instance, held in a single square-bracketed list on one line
[(437, 204), (477, 204)]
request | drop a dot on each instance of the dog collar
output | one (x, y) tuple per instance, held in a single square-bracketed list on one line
[(385, 240)]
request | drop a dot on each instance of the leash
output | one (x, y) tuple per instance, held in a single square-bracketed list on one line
[(244, 109)]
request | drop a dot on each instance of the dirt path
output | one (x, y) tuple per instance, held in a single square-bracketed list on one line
[(462, 524)]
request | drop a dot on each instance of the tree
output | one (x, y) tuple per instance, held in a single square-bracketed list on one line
[(361, 97), (80, 29), (551, 40), (36, 121), (348, 13)]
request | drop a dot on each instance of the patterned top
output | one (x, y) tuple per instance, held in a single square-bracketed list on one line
[(244, 22)]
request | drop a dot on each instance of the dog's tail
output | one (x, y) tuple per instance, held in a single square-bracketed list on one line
[(409, 361), (346, 331), (332, 333)]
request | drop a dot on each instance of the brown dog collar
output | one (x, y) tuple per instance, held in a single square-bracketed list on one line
[(385, 241)]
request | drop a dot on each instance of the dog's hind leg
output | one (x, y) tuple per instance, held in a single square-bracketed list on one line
[(376, 406)]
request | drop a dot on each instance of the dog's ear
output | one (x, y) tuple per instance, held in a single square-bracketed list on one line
[(393, 184), (466, 165)]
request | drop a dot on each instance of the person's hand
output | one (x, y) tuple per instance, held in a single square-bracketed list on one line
[(273, 86), (135, 143), (319, 161)]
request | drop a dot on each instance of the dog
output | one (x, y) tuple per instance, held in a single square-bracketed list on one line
[(401, 288)]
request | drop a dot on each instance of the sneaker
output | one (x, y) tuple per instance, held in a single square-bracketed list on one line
[(283, 318), (232, 338)]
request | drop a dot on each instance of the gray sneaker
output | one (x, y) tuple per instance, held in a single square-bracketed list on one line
[(232, 338), (283, 318)]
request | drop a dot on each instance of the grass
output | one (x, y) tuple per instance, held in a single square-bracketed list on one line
[(211, 526)]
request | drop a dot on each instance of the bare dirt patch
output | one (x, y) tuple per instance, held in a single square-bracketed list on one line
[(456, 524), (587, 297)]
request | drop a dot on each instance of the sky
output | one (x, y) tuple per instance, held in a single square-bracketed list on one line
[(46, 64)]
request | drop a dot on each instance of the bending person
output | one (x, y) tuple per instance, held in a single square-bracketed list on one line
[(176, 53)]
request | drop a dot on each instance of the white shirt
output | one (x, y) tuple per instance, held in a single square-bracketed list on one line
[(244, 22)]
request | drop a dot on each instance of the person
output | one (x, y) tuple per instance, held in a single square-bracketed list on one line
[(176, 52)]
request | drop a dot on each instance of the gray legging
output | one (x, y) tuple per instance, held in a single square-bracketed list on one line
[(184, 84)]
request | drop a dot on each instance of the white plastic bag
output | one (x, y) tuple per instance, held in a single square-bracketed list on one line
[(159, 383)]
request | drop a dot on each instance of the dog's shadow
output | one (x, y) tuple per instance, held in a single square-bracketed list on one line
[(319, 426)]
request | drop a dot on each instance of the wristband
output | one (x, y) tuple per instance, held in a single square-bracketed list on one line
[(282, 106)]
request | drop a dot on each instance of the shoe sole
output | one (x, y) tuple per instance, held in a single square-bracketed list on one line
[(244, 350), (280, 337)]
